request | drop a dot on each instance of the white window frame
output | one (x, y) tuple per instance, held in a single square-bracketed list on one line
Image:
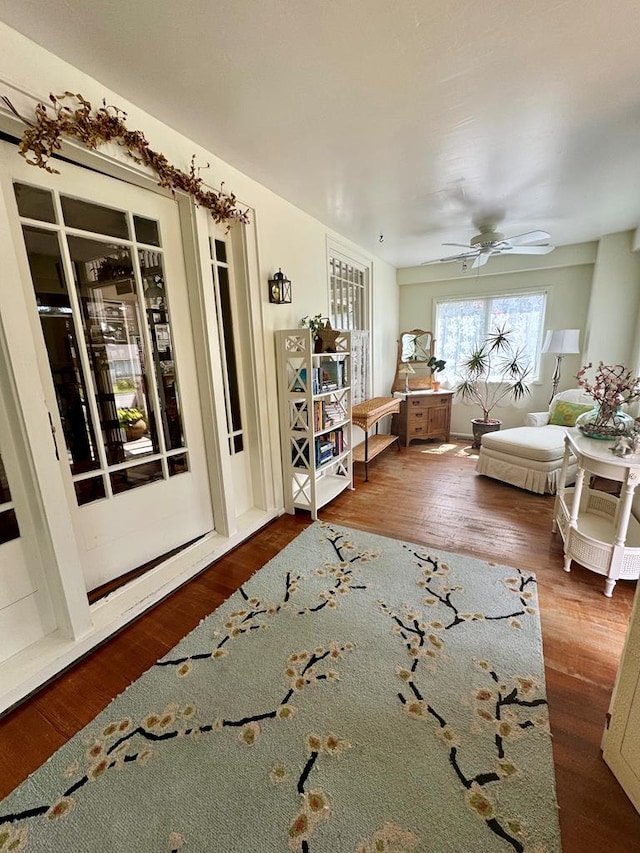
[(352, 288), (452, 371)]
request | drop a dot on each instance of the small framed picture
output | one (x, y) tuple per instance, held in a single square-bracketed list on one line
[(163, 341)]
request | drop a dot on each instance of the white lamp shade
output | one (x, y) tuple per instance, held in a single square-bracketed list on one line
[(561, 341)]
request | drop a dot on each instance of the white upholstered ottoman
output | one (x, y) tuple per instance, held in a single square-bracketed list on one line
[(528, 457)]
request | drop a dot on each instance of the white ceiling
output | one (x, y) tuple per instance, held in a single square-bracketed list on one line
[(400, 118)]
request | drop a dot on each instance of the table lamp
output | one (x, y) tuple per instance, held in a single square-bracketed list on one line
[(405, 370)]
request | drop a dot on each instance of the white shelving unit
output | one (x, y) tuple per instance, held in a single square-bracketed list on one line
[(315, 419), (598, 529)]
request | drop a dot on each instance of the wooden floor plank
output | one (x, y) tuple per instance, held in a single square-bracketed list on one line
[(431, 498)]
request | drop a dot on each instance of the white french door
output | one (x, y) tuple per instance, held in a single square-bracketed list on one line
[(103, 265)]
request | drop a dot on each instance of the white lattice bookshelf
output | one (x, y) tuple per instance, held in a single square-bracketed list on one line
[(315, 419)]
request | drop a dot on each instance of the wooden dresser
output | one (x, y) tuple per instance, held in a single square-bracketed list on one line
[(423, 414)]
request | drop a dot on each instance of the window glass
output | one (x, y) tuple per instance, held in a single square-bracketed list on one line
[(146, 231), (61, 340), (34, 203), (107, 289), (347, 295), (8, 522), (140, 475), (89, 490), (224, 310), (160, 332), (94, 217), (463, 323)]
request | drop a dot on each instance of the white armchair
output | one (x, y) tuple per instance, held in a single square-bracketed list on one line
[(563, 409), (530, 456)]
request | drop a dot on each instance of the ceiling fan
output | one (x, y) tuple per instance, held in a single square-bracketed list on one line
[(491, 242)]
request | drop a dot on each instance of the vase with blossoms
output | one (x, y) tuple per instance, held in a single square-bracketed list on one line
[(604, 421)]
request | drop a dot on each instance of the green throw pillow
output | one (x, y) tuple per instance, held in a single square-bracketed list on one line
[(565, 414)]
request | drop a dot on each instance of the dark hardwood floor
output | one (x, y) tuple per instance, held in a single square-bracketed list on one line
[(422, 496)]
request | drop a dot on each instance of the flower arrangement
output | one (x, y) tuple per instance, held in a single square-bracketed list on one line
[(613, 386), (129, 416)]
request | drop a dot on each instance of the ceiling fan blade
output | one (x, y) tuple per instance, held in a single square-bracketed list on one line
[(528, 250), (462, 245), (462, 257), (529, 237), (481, 260)]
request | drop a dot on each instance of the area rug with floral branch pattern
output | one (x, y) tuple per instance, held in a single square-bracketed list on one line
[(357, 694)]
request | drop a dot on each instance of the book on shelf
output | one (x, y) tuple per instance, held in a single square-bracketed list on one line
[(333, 414), (331, 375), (337, 440), (300, 381), (328, 446), (318, 415), (324, 451)]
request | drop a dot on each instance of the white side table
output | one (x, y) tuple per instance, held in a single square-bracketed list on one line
[(598, 529)]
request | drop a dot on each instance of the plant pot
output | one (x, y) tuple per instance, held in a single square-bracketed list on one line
[(435, 385), (136, 431), (480, 427)]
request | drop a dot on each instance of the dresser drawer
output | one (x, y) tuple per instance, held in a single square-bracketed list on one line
[(421, 404), (418, 430), (416, 417)]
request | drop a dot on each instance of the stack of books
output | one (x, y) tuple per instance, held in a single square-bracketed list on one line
[(324, 451)]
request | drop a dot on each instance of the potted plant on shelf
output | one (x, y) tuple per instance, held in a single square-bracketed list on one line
[(133, 422), (494, 371), (324, 336), (436, 365)]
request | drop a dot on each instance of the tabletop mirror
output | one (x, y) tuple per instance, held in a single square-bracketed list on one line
[(415, 348)]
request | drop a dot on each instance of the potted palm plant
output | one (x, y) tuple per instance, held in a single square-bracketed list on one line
[(493, 372), (133, 422)]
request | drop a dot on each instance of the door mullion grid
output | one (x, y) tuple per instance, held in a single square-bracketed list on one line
[(81, 342)]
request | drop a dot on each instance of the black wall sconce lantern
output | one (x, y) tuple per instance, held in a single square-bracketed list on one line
[(279, 289)]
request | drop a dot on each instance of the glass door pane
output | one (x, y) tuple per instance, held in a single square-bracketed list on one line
[(8, 522), (106, 324)]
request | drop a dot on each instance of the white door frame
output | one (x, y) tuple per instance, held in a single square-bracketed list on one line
[(44, 495)]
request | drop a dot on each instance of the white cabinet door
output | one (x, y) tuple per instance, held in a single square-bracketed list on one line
[(621, 741)]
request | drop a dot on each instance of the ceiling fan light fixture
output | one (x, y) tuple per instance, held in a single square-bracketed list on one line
[(491, 242), (486, 238)]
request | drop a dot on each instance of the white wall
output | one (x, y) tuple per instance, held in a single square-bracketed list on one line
[(615, 301), (566, 276)]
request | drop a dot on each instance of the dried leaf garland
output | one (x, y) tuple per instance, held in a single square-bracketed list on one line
[(43, 138)]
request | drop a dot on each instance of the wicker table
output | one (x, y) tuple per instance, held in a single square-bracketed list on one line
[(598, 529), (366, 415)]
